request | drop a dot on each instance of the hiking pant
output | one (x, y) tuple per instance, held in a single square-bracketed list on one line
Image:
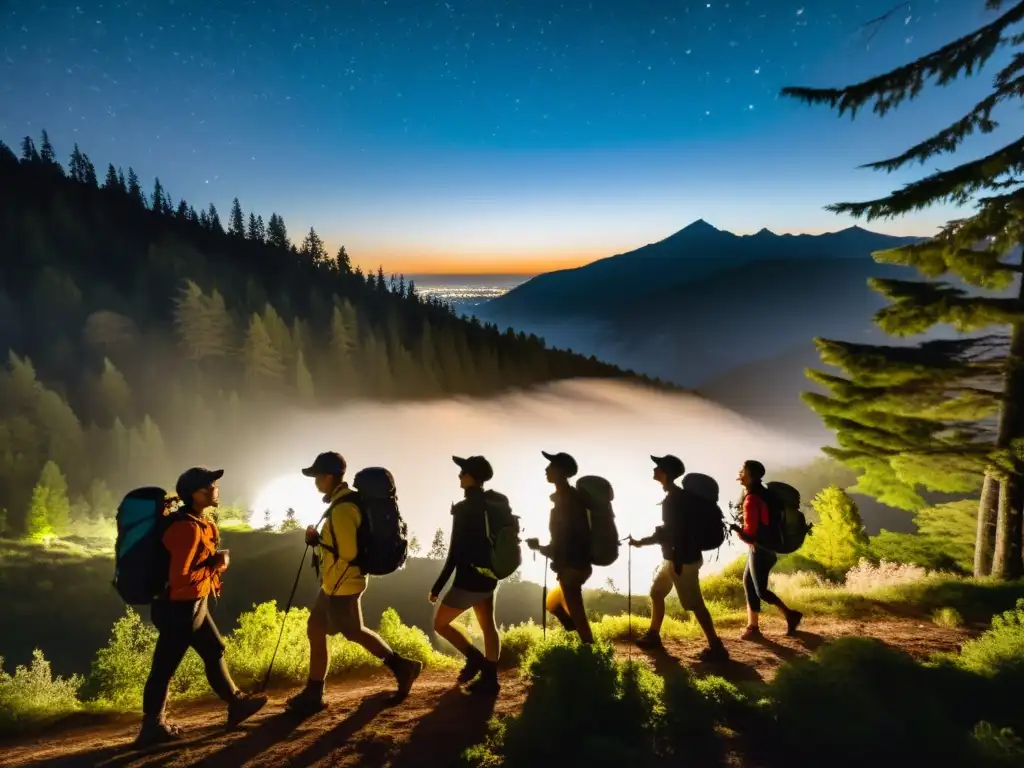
[(755, 579), (183, 625)]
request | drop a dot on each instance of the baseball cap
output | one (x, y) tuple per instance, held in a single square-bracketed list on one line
[(476, 467), (328, 463), (563, 461), (671, 465), (191, 480)]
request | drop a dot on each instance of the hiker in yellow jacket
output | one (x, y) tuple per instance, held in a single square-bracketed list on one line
[(338, 607)]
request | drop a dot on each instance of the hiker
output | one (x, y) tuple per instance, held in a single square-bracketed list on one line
[(338, 607), (683, 560), (760, 560), (181, 615), (569, 548), (474, 587)]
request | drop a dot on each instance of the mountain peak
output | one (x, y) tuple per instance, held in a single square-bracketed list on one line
[(699, 226), (764, 232)]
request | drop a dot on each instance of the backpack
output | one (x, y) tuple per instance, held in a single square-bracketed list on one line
[(787, 527), (707, 521), (382, 544), (142, 563), (503, 535), (598, 495)]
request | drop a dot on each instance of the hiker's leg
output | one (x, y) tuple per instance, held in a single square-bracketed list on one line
[(346, 616), (750, 590), (174, 626), (763, 561), (659, 591), (208, 643), (443, 619), (556, 607), (484, 611), (316, 631), (572, 596), (687, 584)]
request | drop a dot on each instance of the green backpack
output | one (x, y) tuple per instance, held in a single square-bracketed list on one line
[(503, 534)]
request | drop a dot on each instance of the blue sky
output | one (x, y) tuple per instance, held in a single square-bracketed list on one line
[(474, 135)]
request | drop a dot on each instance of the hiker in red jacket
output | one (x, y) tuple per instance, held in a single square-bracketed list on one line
[(760, 560)]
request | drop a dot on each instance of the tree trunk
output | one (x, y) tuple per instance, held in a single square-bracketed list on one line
[(984, 544), (1006, 560)]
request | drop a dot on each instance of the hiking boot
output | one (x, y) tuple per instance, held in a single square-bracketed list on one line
[(793, 619), (487, 684), (308, 701), (156, 732), (751, 633), (649, 642), (243, 707), (474, 664), (405, 671), (713, 654)]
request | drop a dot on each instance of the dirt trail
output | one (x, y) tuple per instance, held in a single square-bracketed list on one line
[(431, 728)]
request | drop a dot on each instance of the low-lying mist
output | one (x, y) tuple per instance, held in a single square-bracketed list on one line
[(611, 428)]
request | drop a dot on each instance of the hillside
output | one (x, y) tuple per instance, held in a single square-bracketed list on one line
[(144, 337)]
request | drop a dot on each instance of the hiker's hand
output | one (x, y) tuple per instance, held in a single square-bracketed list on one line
[(221, 560), (312, 537), (533, 543), (635, 542), (432, 598)]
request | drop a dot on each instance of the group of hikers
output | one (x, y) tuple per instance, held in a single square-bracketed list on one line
[(189, 540)]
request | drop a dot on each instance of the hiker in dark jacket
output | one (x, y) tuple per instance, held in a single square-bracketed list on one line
[(569, 548), (338, 607), (181, 615), (759, 560), (683, 560), (469, 557)]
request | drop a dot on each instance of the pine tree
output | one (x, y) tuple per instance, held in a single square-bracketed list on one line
[(944, 540), (414, 545), (111, 181), (158, 203), (438, 548), (113, 395), (277, 233), (75, 170), (134, 189), (88, 171), (278, 331), (29, 154), (906, 435), (37, 520), (304, 382), (313, 248), (236, 222), (203, 324), (213, 220), (182, 212), (121, 184), (290, 522), (46, 153), (344, 263), (262, 360), (837, 540), (102, 504), (50, 510), (256, 233)]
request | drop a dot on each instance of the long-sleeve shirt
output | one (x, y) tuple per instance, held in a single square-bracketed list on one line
[(191, 541), (570, 531), (339, 546), (468, 546), (755, 514)]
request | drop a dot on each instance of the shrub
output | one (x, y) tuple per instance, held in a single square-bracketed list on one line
[(948, 617), (1000, 650), (32, 693)]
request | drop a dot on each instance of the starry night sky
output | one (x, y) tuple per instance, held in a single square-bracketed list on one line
[(475, 135)]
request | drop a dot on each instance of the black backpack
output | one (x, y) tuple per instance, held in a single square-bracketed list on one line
[(787, 526), (708, 530), (142, 563), (382, 536)]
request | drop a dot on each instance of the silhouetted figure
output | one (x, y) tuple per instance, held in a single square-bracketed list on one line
[(338, 606), (469, 556), (683, 560), (182, 616), (760, 560), (569, 548)]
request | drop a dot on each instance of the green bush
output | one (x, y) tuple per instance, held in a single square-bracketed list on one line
[(948, 617), (33, 694)]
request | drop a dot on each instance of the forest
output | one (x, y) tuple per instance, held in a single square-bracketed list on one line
[(140, 334)]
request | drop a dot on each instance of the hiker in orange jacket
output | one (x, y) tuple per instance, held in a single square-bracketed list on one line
[(182, 616)]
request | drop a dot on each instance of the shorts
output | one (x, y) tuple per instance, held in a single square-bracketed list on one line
[(686, 583), (574, 578), (463, 599), (337, 614)]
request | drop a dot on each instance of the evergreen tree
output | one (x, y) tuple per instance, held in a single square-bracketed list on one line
[(50, 509), (113, 395), (122, 185), (438, 548), (277, 233), (837, 540), (262, 360), (213, 220), (28, 151), (182, 212), (37, 520), (158, 203), (343, 261), (236, 223), (944, 540), (899, 430), (382, 283), (414, 546), (46, 153), (134, 189), (102, 504), (88, 171), (256, 231), (290, 522), (111, 182), (204, 326), (313, 248), (278, 332), (75, 170), (304, 381)]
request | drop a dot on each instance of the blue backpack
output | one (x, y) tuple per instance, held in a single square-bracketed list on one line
[(142, 563)]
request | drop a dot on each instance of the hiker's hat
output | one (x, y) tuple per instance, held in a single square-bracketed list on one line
[(476, 467), (328, 463), (195, 479), (671, 465), (563, 461)]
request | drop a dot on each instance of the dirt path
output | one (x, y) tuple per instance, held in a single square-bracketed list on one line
[(431, 728)]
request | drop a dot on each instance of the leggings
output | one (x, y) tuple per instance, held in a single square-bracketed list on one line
[(183, 625), (755, 579)]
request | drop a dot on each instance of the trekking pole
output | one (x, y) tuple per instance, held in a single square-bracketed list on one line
[(288, 607), (544, 602), (629, 594)]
